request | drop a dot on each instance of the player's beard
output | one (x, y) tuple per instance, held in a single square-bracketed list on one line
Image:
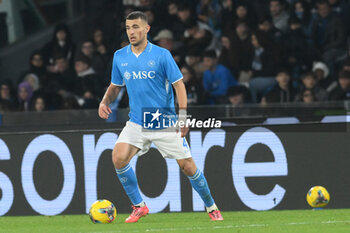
[(137, 43)]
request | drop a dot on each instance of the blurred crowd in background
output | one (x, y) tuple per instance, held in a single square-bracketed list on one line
[(229, 52)]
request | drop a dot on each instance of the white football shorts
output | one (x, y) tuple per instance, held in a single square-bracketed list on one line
[(169, 144)]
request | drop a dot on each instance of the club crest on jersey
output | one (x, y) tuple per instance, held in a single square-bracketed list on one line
[(127, 75), (151, 63)]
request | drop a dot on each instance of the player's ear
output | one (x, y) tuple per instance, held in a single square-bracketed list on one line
[(148, 27)]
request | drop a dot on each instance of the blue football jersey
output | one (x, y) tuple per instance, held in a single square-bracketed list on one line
[(148, 78)]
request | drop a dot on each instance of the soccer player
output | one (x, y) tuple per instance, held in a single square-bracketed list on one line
[(149, 72)]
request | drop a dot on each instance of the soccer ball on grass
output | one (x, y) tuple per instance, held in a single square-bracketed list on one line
[(317, 197), (102, 211)]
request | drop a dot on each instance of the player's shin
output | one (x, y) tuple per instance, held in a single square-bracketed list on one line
[(128, 179), (199, 183)]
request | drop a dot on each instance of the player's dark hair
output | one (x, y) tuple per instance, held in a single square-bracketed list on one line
[(137, 15)]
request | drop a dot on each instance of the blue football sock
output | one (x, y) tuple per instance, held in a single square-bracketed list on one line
[(128, 179), (199, 183)]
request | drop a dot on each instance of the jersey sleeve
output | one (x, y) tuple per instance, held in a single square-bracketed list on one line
[(171, 69), (116, 79)]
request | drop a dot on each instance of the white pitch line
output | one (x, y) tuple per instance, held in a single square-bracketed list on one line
[(220, 227)]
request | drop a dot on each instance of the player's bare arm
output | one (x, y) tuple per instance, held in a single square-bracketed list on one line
[(181, 96), (110, 95)]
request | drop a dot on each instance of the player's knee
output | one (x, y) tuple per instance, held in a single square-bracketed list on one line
[(188, 167), (119, 160)]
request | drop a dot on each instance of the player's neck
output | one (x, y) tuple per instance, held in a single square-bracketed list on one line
[(138, 49)]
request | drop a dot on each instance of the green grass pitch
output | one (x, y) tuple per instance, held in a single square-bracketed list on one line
[(304, 221)]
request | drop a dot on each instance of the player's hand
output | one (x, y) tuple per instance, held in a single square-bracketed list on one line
[(104, 111), (184, 131)]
